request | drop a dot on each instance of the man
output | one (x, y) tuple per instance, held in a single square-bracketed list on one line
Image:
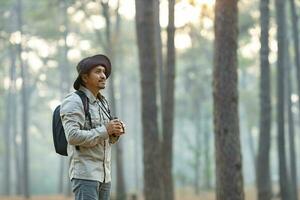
[(89, 144)]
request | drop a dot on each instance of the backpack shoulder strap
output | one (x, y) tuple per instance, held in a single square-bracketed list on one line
[(85, 102)]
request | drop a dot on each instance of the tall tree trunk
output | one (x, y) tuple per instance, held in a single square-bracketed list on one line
[(198, 144), (263, 180), (168, 109), (207, 150), (295, 28), (14, 111), (145, 25), (159, 56), (7, 136), (281, 39), (121, 194), (25, 158), (7, 132), (65, 83), (229, 179), (111, 52), (292, 151), (16, 146), (137, 142)]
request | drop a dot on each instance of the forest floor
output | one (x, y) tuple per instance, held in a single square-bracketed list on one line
[(182, 194)]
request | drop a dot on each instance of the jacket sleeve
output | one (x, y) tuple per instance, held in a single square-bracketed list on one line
[(73, 119)]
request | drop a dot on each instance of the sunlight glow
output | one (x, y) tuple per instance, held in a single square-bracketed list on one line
[(182, 41), (85, 45), (15, 37), (295, 109), (185, 13), (251, 49), (42, 93), (71, 10), (18, 139), (52, 63), (19, 82), (273, 45), (127, 9), (74, 54), (43, 48), (43, 77), (78, 16), (294, 98), (206, 2), (34, 61), (98, 22), (72, 39), (53, 103), (91, 5), (6, 83)]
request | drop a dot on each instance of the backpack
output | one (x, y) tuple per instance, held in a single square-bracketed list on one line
[(59, 138)]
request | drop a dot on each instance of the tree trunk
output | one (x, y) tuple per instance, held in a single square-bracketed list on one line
[(281, 39), (111, 52), (295, 28), (263, 180), (137, 142), (121, 194), (14, 120), (8, 128), (168, 109), (14, 111), (198, 146), (159, 55), (25, 158), (207, 150), (292, 151), (229, 179), (145, 25), (64, 184)]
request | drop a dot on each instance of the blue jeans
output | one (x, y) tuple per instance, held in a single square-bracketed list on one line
[(90, 190)]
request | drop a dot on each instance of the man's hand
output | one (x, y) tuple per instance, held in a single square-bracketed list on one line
[(115, 127)]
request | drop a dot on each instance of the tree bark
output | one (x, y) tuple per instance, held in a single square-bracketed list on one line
[(292, 150), (295, 28), (16, 146), (65, 86), (111, 52), (198, 144), (168, 109), (207, 154), (25, 158), (14, 111), (229, 179), (145, 25), (7, 132), (281, 39), (159, 55), (263, 180)]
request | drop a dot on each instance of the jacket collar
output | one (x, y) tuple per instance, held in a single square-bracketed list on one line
[(88, 93)]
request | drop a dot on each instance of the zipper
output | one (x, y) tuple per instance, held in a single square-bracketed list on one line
[(104, 162)]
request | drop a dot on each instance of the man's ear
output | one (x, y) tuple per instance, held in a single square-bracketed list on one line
[(84, 78)]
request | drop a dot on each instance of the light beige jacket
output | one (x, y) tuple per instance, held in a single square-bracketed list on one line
[(93, 159)]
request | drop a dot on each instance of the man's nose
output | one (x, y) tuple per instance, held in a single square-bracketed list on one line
[(103, 76)]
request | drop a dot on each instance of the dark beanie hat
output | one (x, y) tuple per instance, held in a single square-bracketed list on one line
[(86, 64)]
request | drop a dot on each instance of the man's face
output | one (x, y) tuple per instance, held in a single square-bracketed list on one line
[(96, 78)]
